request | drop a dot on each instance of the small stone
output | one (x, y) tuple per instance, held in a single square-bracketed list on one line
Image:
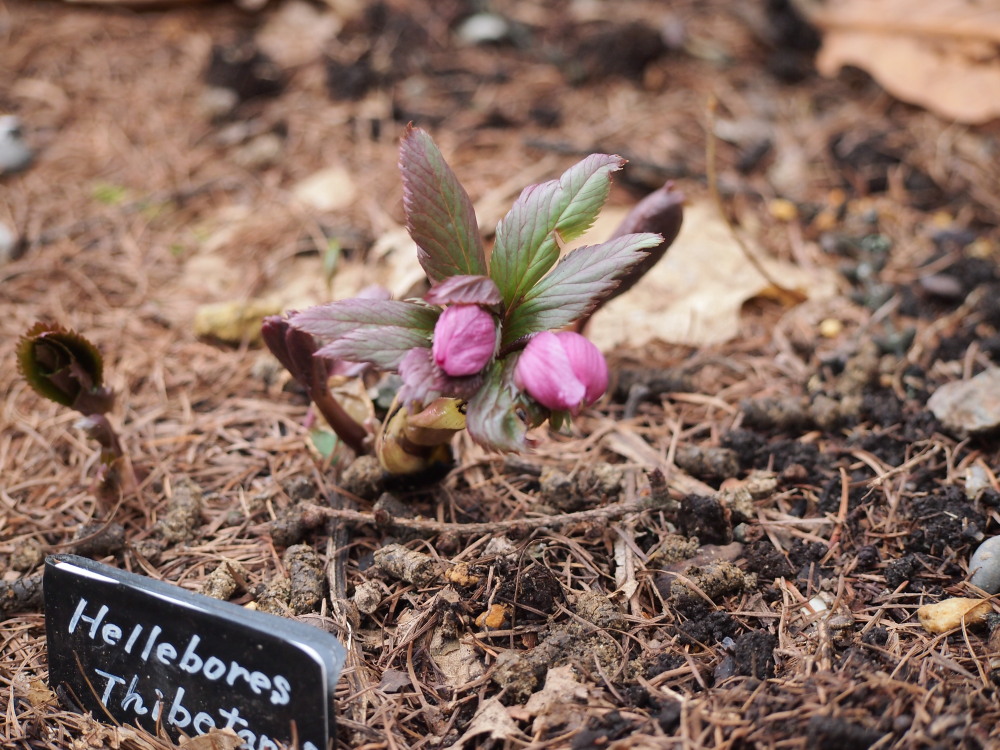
[(27, 556), (14, 152), (948, 614), (260, 152), (11, 245), (984, 566), (968, 407), (830, 328), (483, 28), (783, 209)]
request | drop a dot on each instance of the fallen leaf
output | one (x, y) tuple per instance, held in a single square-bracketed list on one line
[(554, 704), (940, 54), (492, 719), (393, 680), (234, 322), (694, 295), (39, 694), (214, 739), (326, 190), (459, 662)]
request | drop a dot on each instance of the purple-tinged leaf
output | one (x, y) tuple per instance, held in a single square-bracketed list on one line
[(295, 349), (420, 377), (439, 215), (577, 284), (424, 381), (464, 290), (660, 212), (493, 415), (528, 237), (292, 347), (383, 346), (336, 319)]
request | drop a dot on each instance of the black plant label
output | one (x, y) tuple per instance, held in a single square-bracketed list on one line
[(134, 650)]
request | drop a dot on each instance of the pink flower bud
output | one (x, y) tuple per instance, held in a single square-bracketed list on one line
[(465, 340), (562, 371)]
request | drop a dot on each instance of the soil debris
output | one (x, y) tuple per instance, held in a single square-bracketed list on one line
[(711, 464), (519, 673), (228, 578), (20, 595), (306, 577), (274, 598), (598, 609), (714, 581), (407, 565), (363, 478), (183, 513)]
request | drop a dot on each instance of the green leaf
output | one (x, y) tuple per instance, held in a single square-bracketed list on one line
[(336, 319), (379, 331), (577, 284), (528, 237), (464, 290), (492, 416), (383, 346), (439, 215)]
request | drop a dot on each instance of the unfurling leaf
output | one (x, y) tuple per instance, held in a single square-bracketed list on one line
[(64, 367), (292, 347), (399, 453), (528, 237), (465, 290), (661, 212), (439, 214), (577, 284)]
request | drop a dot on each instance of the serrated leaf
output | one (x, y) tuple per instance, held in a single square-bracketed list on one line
[(492, 416), (439, 214), (528, 237), (336, 319), (464, 290), (63, 366), (577, 284), (382, 346)]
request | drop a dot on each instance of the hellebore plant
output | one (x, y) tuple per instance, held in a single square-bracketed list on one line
[(486, 348), (63, 366)]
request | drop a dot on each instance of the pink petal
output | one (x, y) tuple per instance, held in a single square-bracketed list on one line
[(465, 339), (545, 372), (587, 362)]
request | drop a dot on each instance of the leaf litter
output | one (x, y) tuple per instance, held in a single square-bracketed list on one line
[(608, 620)]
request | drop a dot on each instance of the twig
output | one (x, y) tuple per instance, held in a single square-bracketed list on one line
[(312, 512)]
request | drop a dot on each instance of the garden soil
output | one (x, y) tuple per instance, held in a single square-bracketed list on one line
[(728, 551)]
